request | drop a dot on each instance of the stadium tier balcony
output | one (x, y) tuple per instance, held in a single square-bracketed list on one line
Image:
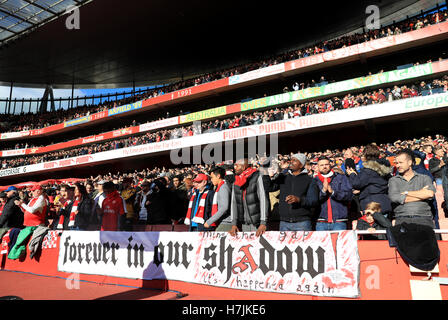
[(312, 61)]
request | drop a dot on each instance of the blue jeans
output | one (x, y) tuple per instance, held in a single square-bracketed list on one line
[(295, 226), (335, 226)]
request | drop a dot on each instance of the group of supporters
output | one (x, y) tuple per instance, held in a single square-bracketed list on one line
[(38, 121), (258, 117), (367, 188)]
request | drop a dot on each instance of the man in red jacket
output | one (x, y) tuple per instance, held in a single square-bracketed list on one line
[(113, 208)]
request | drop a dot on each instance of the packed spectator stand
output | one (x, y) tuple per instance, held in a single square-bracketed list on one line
[(144, 196), (36, 121)]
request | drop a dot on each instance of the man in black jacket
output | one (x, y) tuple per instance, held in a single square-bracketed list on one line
[(298, 195), (12, 216), (250, 201)]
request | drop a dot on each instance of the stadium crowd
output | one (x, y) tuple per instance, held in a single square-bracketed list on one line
[(363, 187), (30, 121), (257, 117)]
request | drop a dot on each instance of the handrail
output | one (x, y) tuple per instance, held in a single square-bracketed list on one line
[(363, 232)]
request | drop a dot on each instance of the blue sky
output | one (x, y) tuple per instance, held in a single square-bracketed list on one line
[(29, 93)]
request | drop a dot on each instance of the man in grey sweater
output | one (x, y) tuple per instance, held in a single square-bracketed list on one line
[(221, 204), (411, 193)]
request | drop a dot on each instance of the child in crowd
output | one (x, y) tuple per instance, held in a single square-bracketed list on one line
[(372, 220)]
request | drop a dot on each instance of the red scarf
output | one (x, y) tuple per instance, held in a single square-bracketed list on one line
[(330, 210), (215, 201), (61, 216), (364, 218), (428, 157), (240, 180), (74, 212), (199, 217)]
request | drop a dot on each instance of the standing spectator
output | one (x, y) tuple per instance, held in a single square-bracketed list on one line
[(250, 202), (142, 202), (129, 194), (437, 167), (180, 199), (12, 216), (91, 190), (200, 205), (81, 210), (159, 203), (334, 197), (3, 199), (113, 208), (63, 207), (220, 216), (298, 195), (411, 192), (35, 211), (372, 180)]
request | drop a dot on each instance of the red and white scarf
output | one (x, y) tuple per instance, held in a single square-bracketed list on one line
[(322, 178), (61, 216), (74, 212), (215, 201), (428, 157), (199, 217)]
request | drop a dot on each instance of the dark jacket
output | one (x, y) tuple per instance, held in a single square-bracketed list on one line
[(159, 206), (12, 216), (435, 169), (372, 182), (253, 207), (179, 203), (340, 199), (380, 223), (84, 217), (302, 186)]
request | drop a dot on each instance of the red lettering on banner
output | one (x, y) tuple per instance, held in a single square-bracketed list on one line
[(272, 127), (49, 165), (64, 163), (85, 159), (235, 134), (246, 262)]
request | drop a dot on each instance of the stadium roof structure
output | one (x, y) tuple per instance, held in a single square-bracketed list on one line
[(125, 43), (21, 16)]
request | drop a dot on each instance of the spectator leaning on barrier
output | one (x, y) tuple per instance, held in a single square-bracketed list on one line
[(334, 197), (411, 192), (12, 216), (220, 218), (298, 195), (249, 208), (372, 220)]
